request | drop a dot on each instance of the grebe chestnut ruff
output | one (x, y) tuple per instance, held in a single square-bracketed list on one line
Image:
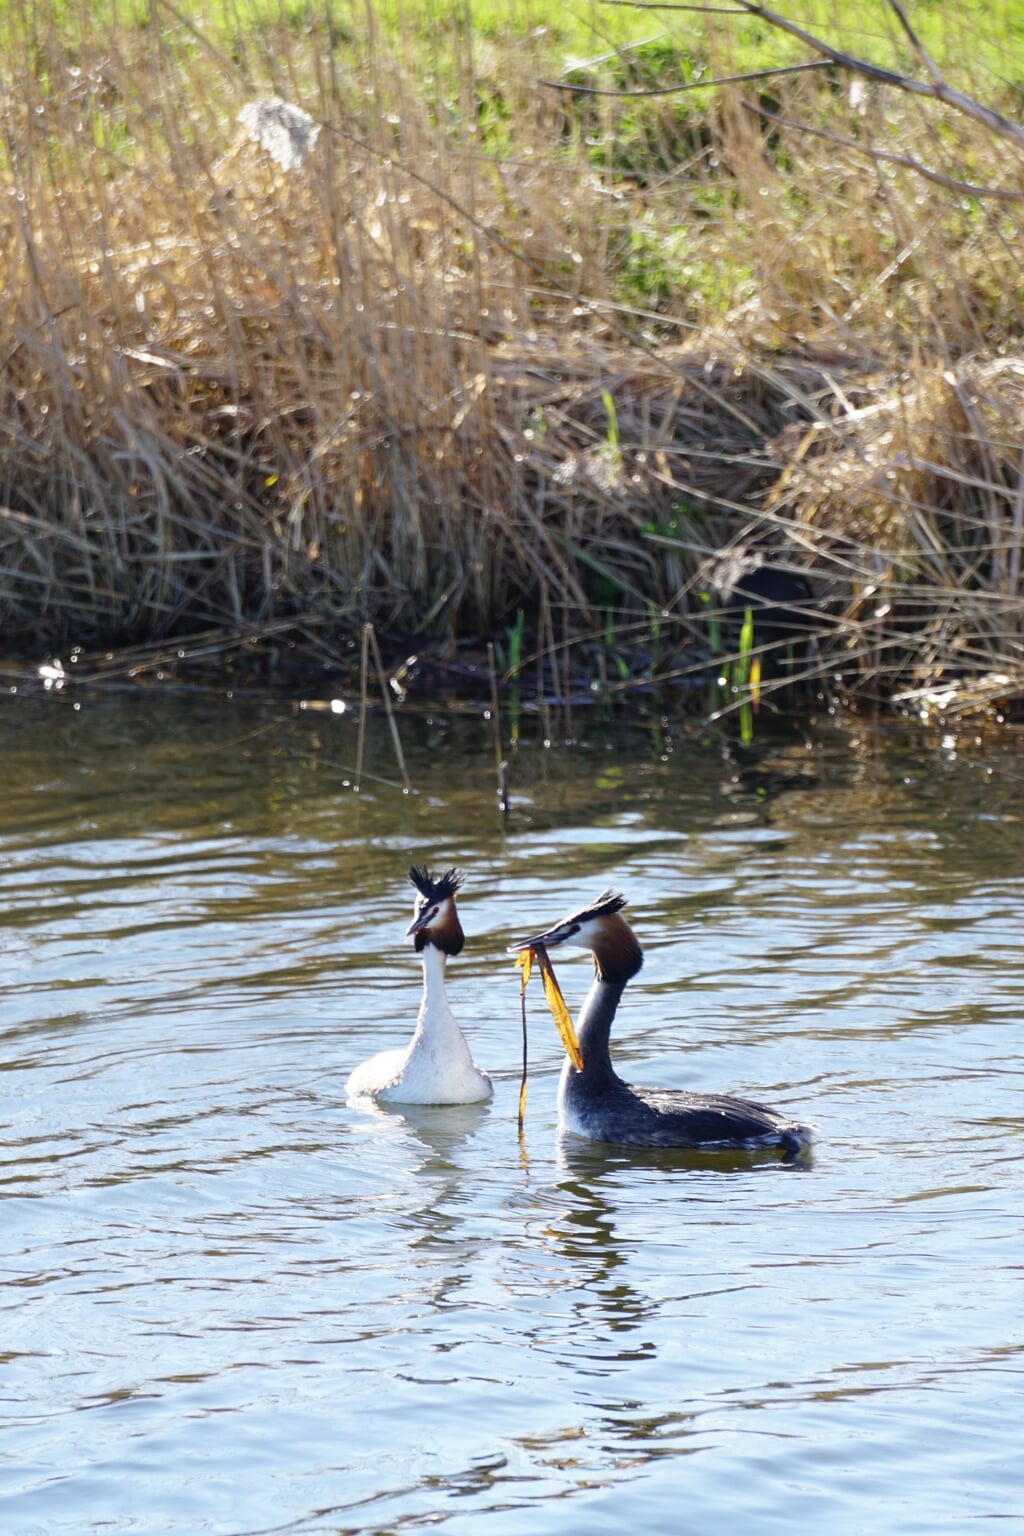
[(435, 1067), (597, 1104)]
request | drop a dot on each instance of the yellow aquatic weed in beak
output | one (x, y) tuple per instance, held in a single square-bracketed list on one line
[(559, 1012)]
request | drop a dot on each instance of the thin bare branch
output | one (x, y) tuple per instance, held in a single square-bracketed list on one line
[(689, 85), (938, 178), (915, 42), (936, 90)]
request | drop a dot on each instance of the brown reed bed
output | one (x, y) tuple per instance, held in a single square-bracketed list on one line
[(489, 359)]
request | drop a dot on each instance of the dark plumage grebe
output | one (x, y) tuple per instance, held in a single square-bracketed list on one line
[(436, 1066), (596, 1103)]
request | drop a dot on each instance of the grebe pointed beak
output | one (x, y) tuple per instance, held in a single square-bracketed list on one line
[(423, 919), (561, 934)]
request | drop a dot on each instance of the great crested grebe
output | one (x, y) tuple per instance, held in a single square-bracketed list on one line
[(596, 1103), (435, 1067)]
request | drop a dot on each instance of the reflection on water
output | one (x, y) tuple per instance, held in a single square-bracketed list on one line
[(233, 1302)]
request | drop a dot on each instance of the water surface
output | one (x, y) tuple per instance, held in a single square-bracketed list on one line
[(234, 1303)]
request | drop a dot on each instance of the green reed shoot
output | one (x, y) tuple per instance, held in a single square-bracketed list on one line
[(510, 659), (612, 436), (742, 675)]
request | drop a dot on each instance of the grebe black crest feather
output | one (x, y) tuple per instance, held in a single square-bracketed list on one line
[(435, 887), (608, 902)]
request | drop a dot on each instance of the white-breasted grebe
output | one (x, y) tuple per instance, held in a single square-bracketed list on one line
[(597, 1104), (436, 1066)]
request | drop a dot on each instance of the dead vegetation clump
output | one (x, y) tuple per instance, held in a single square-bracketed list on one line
[(922, 507)]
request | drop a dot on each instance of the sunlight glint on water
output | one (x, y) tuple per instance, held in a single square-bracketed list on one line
[(233, 1303)]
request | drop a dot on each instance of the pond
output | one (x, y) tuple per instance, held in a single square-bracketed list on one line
[(233, 1302)]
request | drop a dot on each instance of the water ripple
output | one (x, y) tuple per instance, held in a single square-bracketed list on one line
[(231, 1302)]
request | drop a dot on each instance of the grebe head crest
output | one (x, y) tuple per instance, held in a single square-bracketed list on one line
[(435, 920), (608, 904), (601, 929)]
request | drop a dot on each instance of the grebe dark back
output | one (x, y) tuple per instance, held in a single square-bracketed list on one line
[(597, 1104), (436, 1066)]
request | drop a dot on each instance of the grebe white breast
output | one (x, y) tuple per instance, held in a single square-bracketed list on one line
[(436, 1066), (597, 1104)]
